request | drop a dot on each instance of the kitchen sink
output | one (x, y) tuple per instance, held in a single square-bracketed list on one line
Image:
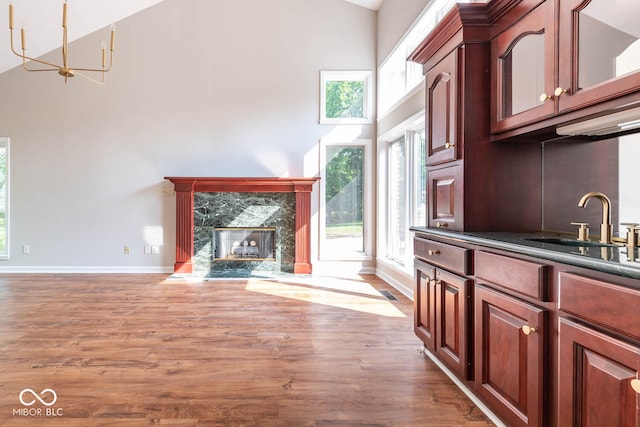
[(568, 242)]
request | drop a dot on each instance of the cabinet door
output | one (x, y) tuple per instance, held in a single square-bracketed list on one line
[(445, 197), (509, 357), (452, 293), (596, 379), (523, 78), (599, 48), (441, 105), (424, 298)]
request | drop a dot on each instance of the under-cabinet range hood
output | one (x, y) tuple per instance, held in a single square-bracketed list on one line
[(625, 121)]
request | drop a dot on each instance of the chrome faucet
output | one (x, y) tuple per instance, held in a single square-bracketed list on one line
[(606, 229)]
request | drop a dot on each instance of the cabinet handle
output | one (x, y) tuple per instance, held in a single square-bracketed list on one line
[(635, 385), (560, 91), (433, 252), (528, 330), (441, 224), (448, 145), (545, 97)]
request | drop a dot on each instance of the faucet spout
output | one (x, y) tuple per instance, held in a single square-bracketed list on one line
[(606, 229)]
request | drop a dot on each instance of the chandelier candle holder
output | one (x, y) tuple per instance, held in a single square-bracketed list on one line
[(65, 70)]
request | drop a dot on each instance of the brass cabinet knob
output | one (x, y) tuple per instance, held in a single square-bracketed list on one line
[(448, 145), (560, 91), (528, 330), (545, 97), (433, 252), (635, 385), (441, 224)]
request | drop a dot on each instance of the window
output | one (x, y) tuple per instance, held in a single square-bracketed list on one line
[(345, 97), (397, 199), (4, 198), (404, 179), (397, 76), (344, 211)]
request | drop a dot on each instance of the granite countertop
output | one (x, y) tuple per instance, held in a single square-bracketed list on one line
[(613, 259)]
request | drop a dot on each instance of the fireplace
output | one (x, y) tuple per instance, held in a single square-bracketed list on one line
[(281, 204), (244, 244)]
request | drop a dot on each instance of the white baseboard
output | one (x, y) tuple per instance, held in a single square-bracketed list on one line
[(86, 269), (484, 408)]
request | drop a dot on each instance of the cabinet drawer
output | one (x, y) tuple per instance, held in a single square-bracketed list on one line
[(605, 304), (524, 277), (450, 257)]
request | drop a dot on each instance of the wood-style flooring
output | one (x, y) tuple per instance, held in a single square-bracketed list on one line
[(140, 350)]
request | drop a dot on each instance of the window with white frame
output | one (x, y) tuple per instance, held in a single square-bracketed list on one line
[(4, 198), (345, 208), (406, 190), (346, 97), (397, 76), (397, 188)]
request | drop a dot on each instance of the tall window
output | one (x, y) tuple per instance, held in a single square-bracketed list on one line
[(419, 175), (397, 199), (405, 183), (344, 209), (4, 198)]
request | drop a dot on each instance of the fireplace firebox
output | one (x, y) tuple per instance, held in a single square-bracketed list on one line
[(244, 244)]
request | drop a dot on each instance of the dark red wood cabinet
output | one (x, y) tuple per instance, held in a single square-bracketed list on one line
[(509, 356), (559, 61), (596, 379), (599, 335), (442, 303)]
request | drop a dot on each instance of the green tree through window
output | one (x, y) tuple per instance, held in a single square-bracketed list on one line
[(345, 99)]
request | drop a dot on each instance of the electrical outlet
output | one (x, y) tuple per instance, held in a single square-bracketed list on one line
[(127, 250), (26, 249), (155, 249), (147, 249)]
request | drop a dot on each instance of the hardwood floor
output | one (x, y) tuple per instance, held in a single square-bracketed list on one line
[(138, 350)]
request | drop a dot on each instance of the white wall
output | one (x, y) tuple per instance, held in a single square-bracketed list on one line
[(199, 88), (395, 17)]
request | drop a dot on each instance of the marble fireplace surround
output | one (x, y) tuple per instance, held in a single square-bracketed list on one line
[(186, 187)]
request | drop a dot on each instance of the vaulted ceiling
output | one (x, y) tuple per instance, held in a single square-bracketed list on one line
[(42, 20)]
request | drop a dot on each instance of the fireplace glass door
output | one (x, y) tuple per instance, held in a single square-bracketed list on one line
[(244, 244)]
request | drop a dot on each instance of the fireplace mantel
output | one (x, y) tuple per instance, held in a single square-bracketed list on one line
[(185, 188)]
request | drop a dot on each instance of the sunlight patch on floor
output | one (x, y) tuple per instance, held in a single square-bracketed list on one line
[(363, 298)]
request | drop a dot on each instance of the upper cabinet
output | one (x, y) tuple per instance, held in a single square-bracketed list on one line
[(441, 109), (523, 70), (562, 60), (599, 51)]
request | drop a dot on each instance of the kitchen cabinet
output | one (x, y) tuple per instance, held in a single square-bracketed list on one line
[(599, 352), (440, 110), (552, 336), (559, 57), (599, 52), (445, 192), (509, 356), (596, 384), (511, 337), (455, 58), (442, 304), (522, 57)]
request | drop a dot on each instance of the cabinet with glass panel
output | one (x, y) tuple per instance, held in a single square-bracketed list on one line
[(595, 61)]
